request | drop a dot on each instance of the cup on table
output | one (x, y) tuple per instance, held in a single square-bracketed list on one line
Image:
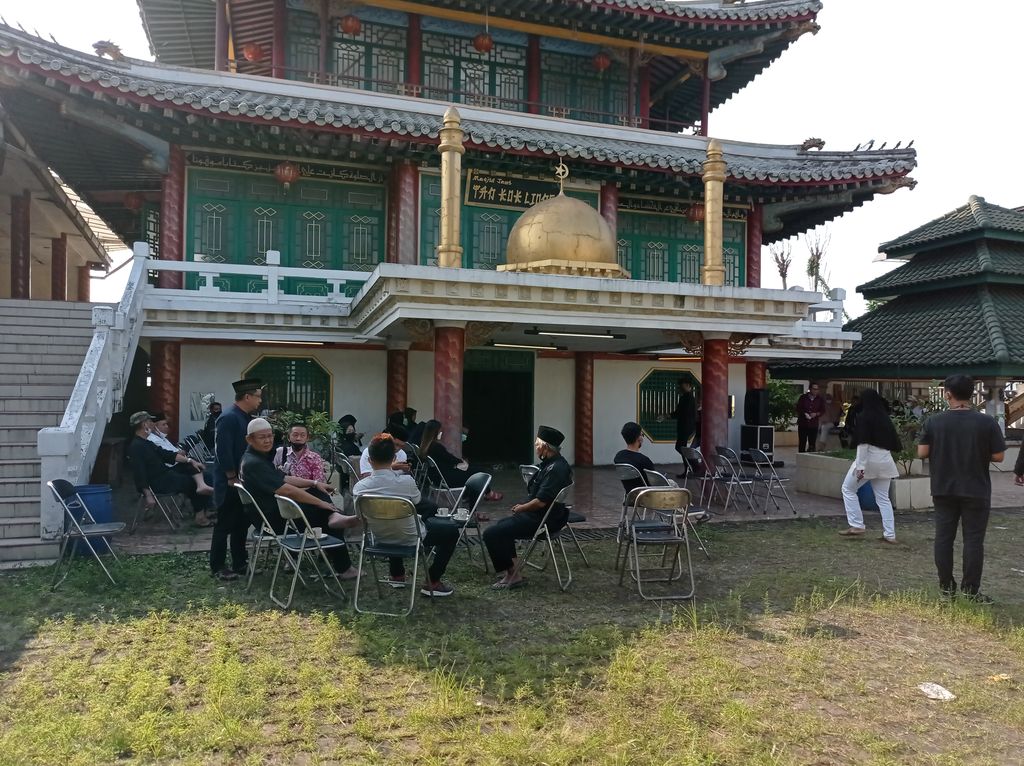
[(444, 513), (462, 515)]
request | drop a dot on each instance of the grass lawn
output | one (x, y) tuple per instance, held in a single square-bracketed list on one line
[(803, 648)]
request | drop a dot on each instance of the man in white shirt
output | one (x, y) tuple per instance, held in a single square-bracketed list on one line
[(440, 534), (401, 463), (158, 431)]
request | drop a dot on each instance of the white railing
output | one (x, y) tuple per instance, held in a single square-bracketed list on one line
[(69, 450)]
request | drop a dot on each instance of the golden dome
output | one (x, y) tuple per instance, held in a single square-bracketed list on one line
[(561, 229)]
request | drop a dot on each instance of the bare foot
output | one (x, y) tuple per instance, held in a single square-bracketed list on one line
[(205, 490)]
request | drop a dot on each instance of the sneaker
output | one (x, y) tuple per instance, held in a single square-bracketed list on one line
[(979, 598), (225, 575), (437, 589)]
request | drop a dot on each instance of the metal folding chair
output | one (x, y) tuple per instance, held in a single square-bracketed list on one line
[(661, 500), (395, 519), (694, 514), (303, 545), (693, 456), (166, 504), (622, 533), (79, 524), (527, 472), (543, 534), (418, 465), (473, 494), (262, 539), (766, 476), (345, 469), (625, 472), (450, 495), (727, 476)]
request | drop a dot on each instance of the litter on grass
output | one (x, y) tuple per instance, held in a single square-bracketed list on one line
[(936, 692)]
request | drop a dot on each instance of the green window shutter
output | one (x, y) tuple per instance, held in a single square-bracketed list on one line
[(296, 384)]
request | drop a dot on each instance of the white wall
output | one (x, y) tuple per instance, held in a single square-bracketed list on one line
[(554, 400), (357, 379)]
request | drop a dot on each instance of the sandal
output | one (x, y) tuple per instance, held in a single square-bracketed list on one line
[(852, 532), (482, 516), (493, 496)]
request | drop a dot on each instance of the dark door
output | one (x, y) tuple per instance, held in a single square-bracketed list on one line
[(497, 408)]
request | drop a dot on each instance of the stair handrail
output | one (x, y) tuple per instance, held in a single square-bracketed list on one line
[(68, 451)]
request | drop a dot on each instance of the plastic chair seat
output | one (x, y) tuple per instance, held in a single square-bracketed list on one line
[(575, 517), (295, 543), (656, 536), (103, 528)]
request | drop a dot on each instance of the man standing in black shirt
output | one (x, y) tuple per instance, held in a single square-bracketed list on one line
[(633, 435), (554, 476), (959, 445)]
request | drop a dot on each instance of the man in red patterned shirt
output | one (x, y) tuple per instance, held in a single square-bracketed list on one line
[(296, 459)]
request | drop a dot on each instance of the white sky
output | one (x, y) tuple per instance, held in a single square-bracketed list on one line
[(939, 72)]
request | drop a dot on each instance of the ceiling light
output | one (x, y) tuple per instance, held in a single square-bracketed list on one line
[(527, 346), (678, 358), (567, 334), (292, 342)]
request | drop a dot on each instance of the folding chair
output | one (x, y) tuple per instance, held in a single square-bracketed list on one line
[(303, 546), (727, 475), (625, 472), (473, 493), (79, 524), (419, 467), (692, 456), (766, 476), (527, 472), (164, 503), (544, 534), (345, 469), (258, 537), (451, 495), (661, 500), (398, 519), (694, 513)]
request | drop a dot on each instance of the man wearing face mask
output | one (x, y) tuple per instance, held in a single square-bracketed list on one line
[(296, 459)]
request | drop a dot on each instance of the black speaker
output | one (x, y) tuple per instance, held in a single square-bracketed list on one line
[(755, 407)]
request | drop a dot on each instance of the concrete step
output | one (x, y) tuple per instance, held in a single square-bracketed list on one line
[(12, 378), (42, 404), (35, 320), (19, 435), (44, 308), (19, 528), (19, 508), (32, 391), (76, 346), (27, 552), (29, 419), (19, 488), (54, 327), (19, 468), (71, 357), (17, 450)]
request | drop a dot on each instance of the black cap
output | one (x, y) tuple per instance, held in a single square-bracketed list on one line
[(398, 431), (552, 436), (347, 419), (247, 385), (158, 416)]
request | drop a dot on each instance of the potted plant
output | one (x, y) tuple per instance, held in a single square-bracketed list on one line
[(782, 396)]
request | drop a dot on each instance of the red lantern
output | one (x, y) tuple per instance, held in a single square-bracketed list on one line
[(252, 52), (696, 212), (483, 42), (133, 201), (350, 25), (287, 173), (601, 61)]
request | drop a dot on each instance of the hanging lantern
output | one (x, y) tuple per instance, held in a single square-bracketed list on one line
[(133, 201), (601, 61), (696, 212), (252, 52), (287, 173), (483, 42), (350, 25)]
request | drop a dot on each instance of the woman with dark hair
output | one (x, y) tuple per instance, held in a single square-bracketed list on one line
[(875, 438), (455, 471)]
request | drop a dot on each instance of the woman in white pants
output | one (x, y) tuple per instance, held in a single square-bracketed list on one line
[(875, 438)]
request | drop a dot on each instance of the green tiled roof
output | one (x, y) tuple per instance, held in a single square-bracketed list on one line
[(977, 329), (990, 258), (976, 216)]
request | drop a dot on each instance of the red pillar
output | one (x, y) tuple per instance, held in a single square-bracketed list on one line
[(59, 268), (414, 57), (172, 216), (533, 74), (277, 52), (84, 284), (754, 241), (220, 36), (705, 105), (645, 96), (165, 372), (584, 408), (609, 204), (398, 379), (403, 204), (714, 383), (449, 353), (21, 246), (757, 375)]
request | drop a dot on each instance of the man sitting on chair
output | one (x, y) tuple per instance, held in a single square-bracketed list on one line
[(554, 476), (440, 534), (400, 436), (263, 480), (296, 459), (633, 435)]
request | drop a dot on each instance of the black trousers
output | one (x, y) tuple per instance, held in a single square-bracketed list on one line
[(971, 513), (234, 524), (442, 535), (174, 481), (500, 537), (807, 436)]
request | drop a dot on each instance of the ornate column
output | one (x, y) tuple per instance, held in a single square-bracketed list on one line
[(165, 374), (220, 36), (449, 355), (398, 376), (278, 57), (172, 217), (84, 284), (757, 374), (755, 220), (714, 392), (21, 245), (609, 204), (533, 74), (713, 272), (449, 249), (584, 399), (414, 56), (59, 268), (403, 199)]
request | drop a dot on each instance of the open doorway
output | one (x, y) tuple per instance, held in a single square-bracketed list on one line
[(497, 407)]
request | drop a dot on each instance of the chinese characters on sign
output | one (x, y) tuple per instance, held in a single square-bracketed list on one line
[(490, 190)]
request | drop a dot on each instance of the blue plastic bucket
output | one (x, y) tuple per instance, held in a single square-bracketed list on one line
[(98, 498)]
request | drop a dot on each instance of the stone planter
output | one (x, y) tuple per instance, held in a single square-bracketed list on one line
[(823, 475), (785, 438)]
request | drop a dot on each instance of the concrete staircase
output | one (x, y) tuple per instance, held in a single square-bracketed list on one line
[(41, 352)]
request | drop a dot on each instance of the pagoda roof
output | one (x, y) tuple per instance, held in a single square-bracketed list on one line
[(977, 329), (977, 217), (745, 38)]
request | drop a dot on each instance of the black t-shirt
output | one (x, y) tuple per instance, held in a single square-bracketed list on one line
[(554, 476), (961, 444), (263, 479), (638, 460)]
